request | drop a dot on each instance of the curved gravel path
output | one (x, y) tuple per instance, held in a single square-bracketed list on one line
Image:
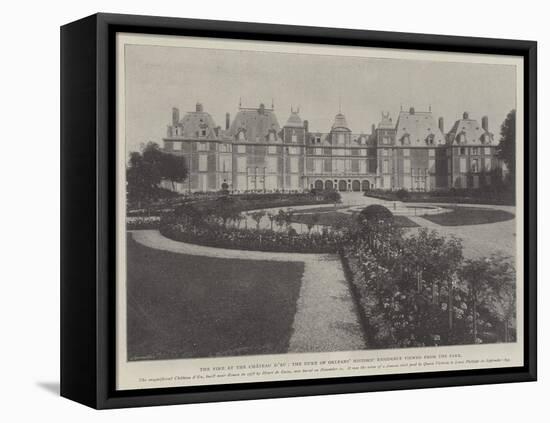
[(326, 318)]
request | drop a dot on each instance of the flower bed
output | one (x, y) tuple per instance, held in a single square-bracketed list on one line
[(251, 239), (142, 222)]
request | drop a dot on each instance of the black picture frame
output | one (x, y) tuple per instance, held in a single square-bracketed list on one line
[(88, 209)]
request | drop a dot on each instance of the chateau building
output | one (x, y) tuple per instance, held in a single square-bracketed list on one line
[(253, 152)]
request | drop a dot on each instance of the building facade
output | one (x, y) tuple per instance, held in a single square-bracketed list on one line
[(253, 152)]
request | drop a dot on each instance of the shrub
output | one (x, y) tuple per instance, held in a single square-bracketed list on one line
[(375, 213), (402, 194)]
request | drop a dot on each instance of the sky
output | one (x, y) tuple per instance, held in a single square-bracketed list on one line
[(159, 78)]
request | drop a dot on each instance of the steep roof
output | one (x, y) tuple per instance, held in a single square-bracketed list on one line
[(193, 122), (294, 120), (256, 123), (386, 122), (340, 122), (468, 131), (417, 129)]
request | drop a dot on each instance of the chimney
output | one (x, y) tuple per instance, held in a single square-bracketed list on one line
[(465, 115), (373, 129), (441, 125), (198, 107), (175, 116), (306, 126), (411, 111), (485, 123), (227, 120)]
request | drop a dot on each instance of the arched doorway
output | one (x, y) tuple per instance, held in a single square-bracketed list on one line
[(365, 185), (318, 184), (329, 185), (356, 185), (342, 185)]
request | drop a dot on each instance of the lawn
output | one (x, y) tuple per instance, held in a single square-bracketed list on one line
[(182, 306), (335, 218), (460, 216)]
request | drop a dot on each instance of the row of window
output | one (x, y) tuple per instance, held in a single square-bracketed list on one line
[(474, 151)]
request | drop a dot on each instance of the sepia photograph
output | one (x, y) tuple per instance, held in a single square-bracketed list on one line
[(337, 206)]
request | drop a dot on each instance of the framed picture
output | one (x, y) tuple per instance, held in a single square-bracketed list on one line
[(258, 211)]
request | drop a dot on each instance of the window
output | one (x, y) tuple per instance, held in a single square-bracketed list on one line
[(272, 136), (294, 136), (203, 163), (462, 151), (318, 166), (406, 152), (463, 165), (225, 163), (363, 152), (203, 133), (241, 135), (363, 166), (431, 165), (272, 164), (292, 150), (487, 151), (475, 166), (241, 164), (385, 166), (176, 146), (202, 146), (272, 149), (431, 152), (384, 152), (475, 150), (407, 165), (341, 139), (241, 149), (294, 164), (338, 165), (487, 164), (318, 151)]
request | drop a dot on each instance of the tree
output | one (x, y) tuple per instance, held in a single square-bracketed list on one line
[(507, 147), (314, 220), (272, 218), (475, 273), (147, 169), (502, 293), (332, 197), (173, 168), (226, 209), (257, 216)]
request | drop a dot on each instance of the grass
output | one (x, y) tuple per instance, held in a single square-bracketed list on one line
[(460, 216), (335, 218), (182, 306)]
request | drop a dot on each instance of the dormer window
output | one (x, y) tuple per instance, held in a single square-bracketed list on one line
[(241, 136), (271, 136), (294, 136), (203, 133)]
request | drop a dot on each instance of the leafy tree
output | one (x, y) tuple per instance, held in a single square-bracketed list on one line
[(314, 220), (257, 216), (146, 170), (507, 146), (476, 274), (333, 196), (272, 218), (226, 209), (501, 294)]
